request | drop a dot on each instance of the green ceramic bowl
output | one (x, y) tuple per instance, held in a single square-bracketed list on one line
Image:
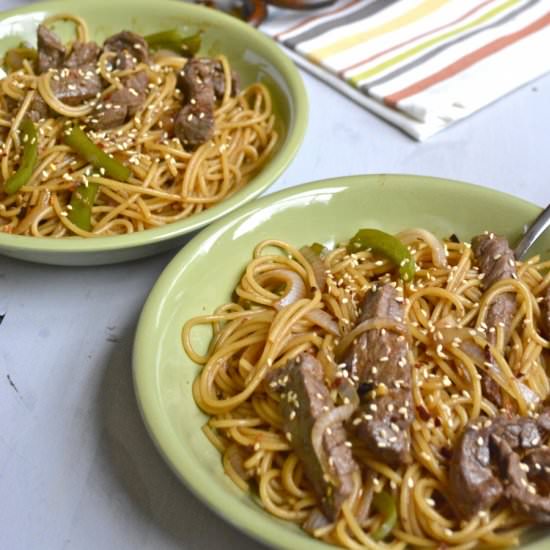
[(204, 273), (255, 57)]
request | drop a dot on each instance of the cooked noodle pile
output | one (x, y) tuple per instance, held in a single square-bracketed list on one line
[(279, 312), (168, 181)]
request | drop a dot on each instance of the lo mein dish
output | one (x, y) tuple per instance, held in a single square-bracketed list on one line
[(129, 135), (390, 392)]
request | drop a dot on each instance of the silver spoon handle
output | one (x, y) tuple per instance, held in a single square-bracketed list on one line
[(536, 229)]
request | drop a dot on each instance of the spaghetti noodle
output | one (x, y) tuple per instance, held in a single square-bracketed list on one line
[(273, 321), (169, 180)]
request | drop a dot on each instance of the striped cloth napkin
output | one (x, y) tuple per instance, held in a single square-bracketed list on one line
[(420, 64)]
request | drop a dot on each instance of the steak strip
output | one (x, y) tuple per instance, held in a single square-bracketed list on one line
[(304, 399), (380, 360), (496, 262), (487, 465)]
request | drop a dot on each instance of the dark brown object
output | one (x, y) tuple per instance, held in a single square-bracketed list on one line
[(305, 398), (496, 262), (74, 86), (194, 125), (301, 4), (38, 109), (486, 465), (83, 55), (472, 484), (51, 52), (379, 359), (131, 49), (123, 103), (202, 82)]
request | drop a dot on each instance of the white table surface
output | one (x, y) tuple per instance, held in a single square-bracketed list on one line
[(77, 468)]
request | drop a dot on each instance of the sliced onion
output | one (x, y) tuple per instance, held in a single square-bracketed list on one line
[(323, 319), (295, 286), (531, 398), (477, 354), (317, 265), (363, 509), (449, 334), (235, 457), (326, 420), (348, 392), (370, 324), (316, 520), (438, 250)]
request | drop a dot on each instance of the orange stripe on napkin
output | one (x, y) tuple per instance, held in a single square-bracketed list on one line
[(423, 35), (467, 61)]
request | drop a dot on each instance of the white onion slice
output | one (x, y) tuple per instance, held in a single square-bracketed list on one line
[(370, 324), (438, 250), (317, 266), (326, 420), (323, 319), (295, 287)]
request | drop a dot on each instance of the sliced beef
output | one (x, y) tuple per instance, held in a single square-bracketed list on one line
[(115, 109), (202, 82), (485, 465), (380, 360), (38, 109), (108, 116), (545, 314), (77, 85), (131, 48), (133, 94), (304, 399), (51, 52), (202, 72), (526, 487), (496, 262), (76, 80), (472, 484), (83, 55), (193, 125), (538, 463), (495, 258)]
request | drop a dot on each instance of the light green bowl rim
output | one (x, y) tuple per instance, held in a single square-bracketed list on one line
[(215, 496), (263, 180)]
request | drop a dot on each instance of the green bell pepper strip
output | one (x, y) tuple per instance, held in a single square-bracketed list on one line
[(82, 201), (29, 138), (385, 504), (386, 245), (188, 46), (317, 248), (79, 142)]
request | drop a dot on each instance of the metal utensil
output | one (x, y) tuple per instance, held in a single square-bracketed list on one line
[(535, 230)]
